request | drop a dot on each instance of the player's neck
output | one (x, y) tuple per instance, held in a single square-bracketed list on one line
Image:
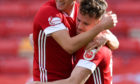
[(69, 10)]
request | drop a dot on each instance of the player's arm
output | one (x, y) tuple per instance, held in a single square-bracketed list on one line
[(78, 76), (105, 37), (112, 42), (72, 44)]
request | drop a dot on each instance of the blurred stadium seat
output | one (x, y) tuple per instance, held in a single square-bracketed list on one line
[(16, 18), (16, 28), (129, 44), (127, 8), (18, 9), (14, 66), (8, 47)]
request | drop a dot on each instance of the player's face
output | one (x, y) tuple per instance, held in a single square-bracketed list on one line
[(63, 5), (84, 23)]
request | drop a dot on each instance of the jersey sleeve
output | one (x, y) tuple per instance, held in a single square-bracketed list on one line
[(90, 60), (50, 20)]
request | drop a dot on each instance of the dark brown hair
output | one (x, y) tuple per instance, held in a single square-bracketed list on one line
[(93, 8)]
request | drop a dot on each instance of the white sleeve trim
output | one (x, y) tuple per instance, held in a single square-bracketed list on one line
[(54, 28), (87, 64)]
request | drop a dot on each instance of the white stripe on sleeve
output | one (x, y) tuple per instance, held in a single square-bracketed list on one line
[(55, 28), (94, 78), (99, 73), (45, 71), (97, 76), (42, 56), (39, 36)]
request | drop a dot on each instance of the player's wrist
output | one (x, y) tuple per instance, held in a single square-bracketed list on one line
[(99, 27)]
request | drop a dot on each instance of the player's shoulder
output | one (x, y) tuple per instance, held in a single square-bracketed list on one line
[(48, 9)]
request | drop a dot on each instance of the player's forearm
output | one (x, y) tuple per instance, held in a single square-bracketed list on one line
[(84, 38), (63, 81), (113, 45), (72, 44), (113, 42), (79, 75)]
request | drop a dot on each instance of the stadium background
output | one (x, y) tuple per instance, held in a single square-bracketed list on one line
[(16, 17)]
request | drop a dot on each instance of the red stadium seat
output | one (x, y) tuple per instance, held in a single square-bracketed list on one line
[(127, 8), (126, 25), (14, 65), (18, 9), (2, 30), (122, 27), (122, 65), (9, 47), (16, 28), (127, 44)]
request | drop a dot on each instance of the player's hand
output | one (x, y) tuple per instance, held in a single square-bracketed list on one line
[(98, 41), (108, 20)]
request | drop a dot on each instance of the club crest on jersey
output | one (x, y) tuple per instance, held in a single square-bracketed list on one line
[(89, 55), (54, 20)]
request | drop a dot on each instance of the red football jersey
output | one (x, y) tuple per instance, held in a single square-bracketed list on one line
[(100, 64), (51, 61)]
